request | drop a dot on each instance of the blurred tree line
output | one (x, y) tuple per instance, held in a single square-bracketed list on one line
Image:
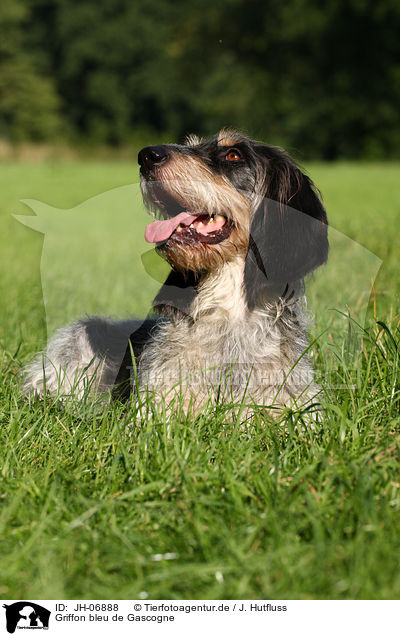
[(322, 78)]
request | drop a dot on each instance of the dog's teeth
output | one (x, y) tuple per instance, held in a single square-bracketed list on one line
[(200, 224), (179, 228), (191, 225), (219, 217)]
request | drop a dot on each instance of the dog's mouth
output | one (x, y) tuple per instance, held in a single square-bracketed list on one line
[(181, 225), (190, 228)]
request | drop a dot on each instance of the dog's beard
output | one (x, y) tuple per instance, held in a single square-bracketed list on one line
[(204, 220)]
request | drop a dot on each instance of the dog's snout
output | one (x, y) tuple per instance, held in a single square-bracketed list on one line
[(151, 156)]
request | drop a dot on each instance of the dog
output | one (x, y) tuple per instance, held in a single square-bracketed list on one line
[(241, 227)]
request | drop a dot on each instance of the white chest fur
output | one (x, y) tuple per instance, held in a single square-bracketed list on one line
[(224, 349)]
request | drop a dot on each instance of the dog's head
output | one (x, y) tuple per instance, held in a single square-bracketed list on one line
[(229, 196)]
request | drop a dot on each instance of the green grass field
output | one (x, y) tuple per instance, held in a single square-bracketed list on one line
[(204, 508)]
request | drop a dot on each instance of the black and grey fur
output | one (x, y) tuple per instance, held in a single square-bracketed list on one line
[(230, 320)]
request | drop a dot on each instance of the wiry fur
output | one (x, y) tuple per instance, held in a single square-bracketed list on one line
[(188, 179), (226, 350), (233, 323), (83, 356)]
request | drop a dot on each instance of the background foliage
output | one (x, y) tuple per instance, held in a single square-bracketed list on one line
[(323, 77)]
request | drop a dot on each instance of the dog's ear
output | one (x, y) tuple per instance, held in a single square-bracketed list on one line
[(288, 233), (177, 294)]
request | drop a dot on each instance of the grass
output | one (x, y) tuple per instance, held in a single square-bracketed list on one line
[(91, 508)]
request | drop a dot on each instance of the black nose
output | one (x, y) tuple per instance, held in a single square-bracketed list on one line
[(152, 155)]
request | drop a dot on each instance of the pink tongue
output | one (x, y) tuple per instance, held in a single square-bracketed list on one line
[(162, 230)]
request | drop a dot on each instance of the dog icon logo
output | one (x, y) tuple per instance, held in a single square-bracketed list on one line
[(26, 615)]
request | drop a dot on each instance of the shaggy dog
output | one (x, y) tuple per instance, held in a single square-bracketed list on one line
[(241, 227)]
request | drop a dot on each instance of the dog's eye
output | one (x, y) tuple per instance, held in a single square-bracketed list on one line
[(233, 155)]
